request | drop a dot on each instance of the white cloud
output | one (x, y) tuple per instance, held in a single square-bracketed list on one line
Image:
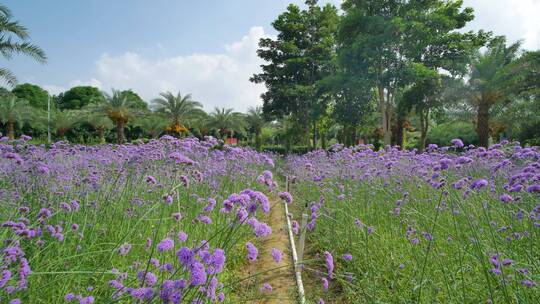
[(53, 89), (92, 82), (213, 79), (223, 79), (516, 19)]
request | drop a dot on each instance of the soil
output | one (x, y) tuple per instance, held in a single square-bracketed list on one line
[(279, 275)]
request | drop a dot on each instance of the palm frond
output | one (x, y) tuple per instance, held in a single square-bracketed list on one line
[(8, 27), (5, 11), (7, 76)]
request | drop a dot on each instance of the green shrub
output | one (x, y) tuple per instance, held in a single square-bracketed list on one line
[(444, 133), (283, 150)]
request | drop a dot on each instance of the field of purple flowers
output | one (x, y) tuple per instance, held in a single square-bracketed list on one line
[(175, 221), (159, 222), (453, 225)]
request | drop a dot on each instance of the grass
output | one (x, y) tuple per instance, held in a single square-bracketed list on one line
[(387, 265), (119, 206)]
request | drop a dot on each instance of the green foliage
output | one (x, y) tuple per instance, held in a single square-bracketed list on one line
[(385, 43), (14, 112), (523, 75), (489, 82), (36, 96), (529, 134), (152, 125), (351, 103), (179, 109), (64, 120), (78, 97), (119, 107), (255, 123), (283, 150), (136, 101), (300, 56), (226, 122), (442, 134), (14, 40)]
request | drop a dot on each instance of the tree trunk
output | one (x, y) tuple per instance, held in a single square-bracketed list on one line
[(323, 140), (482, 123), (345, 136), (288, 144), (120, 131), (307, 135), (400, 123), (10, 129), (101, 134), (424, 124), (258, 140), (385, 116)]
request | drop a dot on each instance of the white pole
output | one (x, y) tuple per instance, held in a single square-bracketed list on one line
[(298, 273), (48, 119)]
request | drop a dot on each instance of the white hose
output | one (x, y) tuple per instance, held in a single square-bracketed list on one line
[(297, 271)]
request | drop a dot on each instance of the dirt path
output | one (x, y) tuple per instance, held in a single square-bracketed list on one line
[(279, 275)]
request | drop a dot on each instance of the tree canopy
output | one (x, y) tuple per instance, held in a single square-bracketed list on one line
[(78, 97), (35, 95), (384, 42), (300, 56)]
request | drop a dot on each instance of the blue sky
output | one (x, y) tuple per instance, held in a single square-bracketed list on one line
[(203, 47)]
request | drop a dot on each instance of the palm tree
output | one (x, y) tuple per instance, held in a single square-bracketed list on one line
[(153, 125), (15, 111), (12, 29), (488, 83), (255, 122), (180, 109), (119, 108), (63, 121), (199, 125), (226, 121), (100, 123)]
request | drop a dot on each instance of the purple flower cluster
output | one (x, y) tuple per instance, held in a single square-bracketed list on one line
[(433, 207), (252, 252), (74, 207)]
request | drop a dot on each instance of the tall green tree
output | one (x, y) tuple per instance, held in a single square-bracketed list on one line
[(300, 56), (422, 97), (15, 112), (136, 101), (35, 95), (381, 41), (179, 109), (351, 102), (489, 82), (14, 40), (518, 117), (78, 97)]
